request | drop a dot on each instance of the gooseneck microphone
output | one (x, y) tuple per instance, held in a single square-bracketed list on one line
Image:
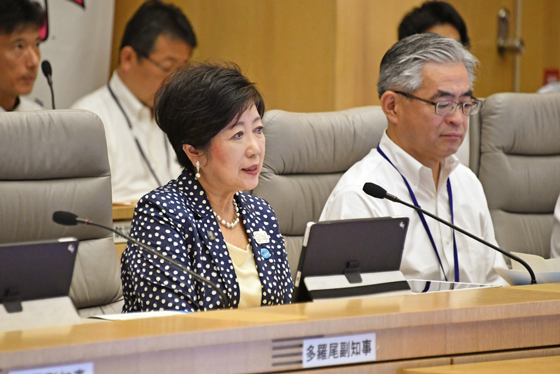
[(379, 192), (47, 72), (70, 219)]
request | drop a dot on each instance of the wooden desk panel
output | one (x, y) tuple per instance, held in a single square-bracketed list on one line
[(408, 328), (541, 365), (505, 355), (123, 212)]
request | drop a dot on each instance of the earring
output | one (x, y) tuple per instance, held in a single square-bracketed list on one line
[(197, 175)]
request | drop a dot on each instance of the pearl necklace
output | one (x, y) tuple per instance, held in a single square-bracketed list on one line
[(229, 225)]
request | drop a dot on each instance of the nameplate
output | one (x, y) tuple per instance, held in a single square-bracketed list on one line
[(339, 350), (83, 368)]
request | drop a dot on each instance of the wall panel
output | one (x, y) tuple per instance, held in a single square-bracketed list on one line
[(320, 55)]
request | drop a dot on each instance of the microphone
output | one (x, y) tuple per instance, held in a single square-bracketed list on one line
[(380, 193), (70, 219), (47, 72)]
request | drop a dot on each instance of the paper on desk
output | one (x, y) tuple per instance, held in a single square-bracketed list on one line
[(546, 271), (138, 315), (537, 263), (125, 202)]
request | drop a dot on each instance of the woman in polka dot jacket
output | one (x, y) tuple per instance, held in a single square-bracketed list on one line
[(212, 115)]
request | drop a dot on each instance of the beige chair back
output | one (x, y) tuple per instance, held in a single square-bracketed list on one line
[(57, 160), (306, 154), (520, 167)]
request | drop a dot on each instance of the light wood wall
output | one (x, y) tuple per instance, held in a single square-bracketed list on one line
[(322, 55), (541, 33)]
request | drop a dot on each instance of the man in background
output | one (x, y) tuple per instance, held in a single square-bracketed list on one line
[(425, 88), (20, 23), (157, 40), (438, 17)]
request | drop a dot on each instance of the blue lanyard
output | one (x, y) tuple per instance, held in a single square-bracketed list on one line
[(413, 197)]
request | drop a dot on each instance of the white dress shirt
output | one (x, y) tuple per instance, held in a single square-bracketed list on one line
[(476, 261), (130, 175), (25, 105)]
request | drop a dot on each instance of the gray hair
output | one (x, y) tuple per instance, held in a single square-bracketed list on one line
[(401, 67)]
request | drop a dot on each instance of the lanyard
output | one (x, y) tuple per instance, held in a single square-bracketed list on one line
[(144, 157), (425, 224)]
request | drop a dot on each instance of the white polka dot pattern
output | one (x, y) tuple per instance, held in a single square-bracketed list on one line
[(177, 221)]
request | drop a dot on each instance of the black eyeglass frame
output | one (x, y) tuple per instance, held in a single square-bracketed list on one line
[(164, 69), (476, 104)]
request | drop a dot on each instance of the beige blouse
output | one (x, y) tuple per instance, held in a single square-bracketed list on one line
[(247, 276)]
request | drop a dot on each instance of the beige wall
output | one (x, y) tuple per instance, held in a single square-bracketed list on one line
[(320, 55)]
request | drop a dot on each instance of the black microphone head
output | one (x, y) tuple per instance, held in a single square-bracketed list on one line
[(65, 218), (47, 69), (374, 190)]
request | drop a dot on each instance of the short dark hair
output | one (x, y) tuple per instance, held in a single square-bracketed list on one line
[(153, 19), (199, 100), (432, 13), (20, 13)]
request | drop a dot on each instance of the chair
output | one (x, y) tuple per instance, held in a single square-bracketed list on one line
[(519, 167), (57, 160), (306, 154)]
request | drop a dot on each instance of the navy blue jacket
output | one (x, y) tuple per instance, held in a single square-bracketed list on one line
[(177, 221)]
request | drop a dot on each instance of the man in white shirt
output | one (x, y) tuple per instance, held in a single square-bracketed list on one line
[(20, 22), (157, 40), (425, 88)]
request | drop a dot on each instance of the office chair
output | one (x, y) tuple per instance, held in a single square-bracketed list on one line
[(519, 167), (57, 160), (306, 154)]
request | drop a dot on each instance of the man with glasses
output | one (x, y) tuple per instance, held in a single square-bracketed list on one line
[(157, 40), (425, 87)]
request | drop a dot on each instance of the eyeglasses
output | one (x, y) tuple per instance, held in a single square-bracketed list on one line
[(163, 68), (447, 108)]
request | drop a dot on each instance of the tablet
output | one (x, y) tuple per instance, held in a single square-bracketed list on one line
[(352, 248), (36, 270)]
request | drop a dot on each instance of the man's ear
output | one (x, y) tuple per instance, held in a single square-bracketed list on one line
[(192, 153), (390, 104), (127, 57)]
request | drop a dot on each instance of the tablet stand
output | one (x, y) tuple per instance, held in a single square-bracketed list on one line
[(35, 314)]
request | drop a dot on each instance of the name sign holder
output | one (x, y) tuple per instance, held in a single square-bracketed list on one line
[(339, 350)]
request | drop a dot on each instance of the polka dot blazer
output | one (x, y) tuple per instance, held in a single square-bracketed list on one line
[(177, 221)]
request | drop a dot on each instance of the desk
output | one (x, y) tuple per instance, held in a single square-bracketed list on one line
[(411, 331), (539, 365), (122, 214)]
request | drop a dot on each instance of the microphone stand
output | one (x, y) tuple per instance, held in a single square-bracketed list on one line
[(507, 254), (199, 278)]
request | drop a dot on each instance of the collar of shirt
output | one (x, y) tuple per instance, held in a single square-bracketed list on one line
[(14, 109), (411, 168), (23, 105), (130, 103)]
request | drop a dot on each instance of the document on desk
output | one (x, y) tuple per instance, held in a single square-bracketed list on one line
[(138, 315), (546, 270), (82, 368)]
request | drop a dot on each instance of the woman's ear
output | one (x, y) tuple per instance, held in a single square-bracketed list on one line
[(192, 153)]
